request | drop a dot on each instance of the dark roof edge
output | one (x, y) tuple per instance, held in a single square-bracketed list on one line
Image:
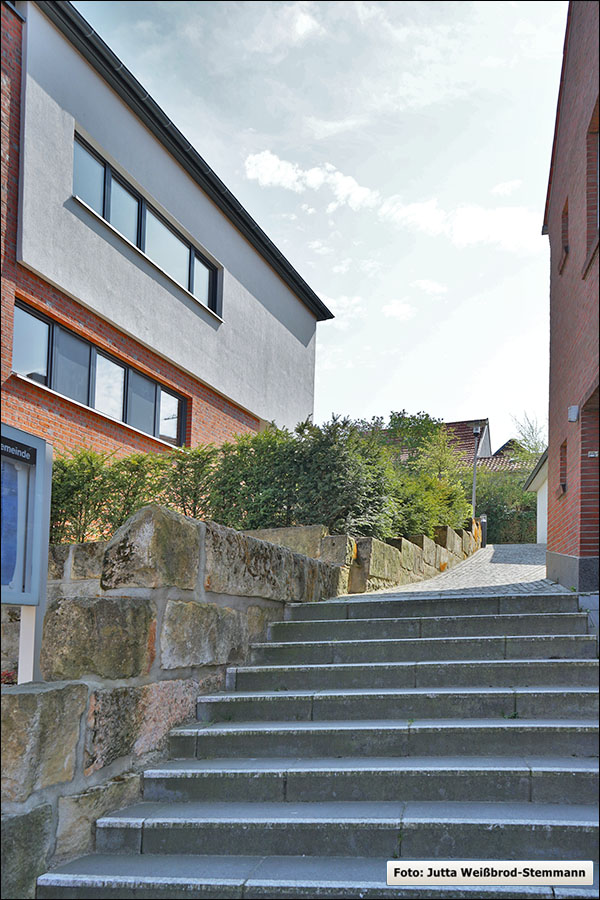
[(83, 37), (539, 464), (557, 121)]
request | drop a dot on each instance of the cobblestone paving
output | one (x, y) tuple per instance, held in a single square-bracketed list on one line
[(497, 569)]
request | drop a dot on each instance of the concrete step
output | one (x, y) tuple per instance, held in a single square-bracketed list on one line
[(519, 779), (397, 605), (180, 877), (581, 646), (385, 828), (474, 673), (415, 703), (430, 626), (430, 737)]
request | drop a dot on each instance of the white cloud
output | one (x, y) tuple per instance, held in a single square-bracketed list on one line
[(430, 287), (321, 249), (309, 210), (398, 309), (505, 188), (343, 266), (424, 216), (282, 28), (271, 171), (345, 309), (370, 266), (514, 228), (324, 128)]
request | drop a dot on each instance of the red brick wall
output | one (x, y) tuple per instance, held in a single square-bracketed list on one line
[(210, 417), (574, 296)]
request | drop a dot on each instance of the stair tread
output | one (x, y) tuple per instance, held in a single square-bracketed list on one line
[(403, 663), (351, 872), (193, 767), (394, 692), (355, 811), (461, 616), (337, 725), (414, 640)]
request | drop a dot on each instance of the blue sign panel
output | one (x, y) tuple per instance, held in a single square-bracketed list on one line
[(26, 469)]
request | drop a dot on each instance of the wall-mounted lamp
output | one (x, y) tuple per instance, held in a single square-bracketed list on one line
[(573, 413)]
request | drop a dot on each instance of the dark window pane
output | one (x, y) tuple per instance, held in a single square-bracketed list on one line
[(169, 416), (124, 211), (142, 395), (88, 178), (201, 281), (166, 250), (30, 346), (71, 366), (110, 383)]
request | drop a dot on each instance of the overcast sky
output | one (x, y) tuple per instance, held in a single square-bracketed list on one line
[(397, 153)]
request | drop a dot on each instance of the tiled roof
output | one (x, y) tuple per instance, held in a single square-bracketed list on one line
[(461, 436)]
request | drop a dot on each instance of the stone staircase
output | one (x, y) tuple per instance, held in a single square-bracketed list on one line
[(365, 730)]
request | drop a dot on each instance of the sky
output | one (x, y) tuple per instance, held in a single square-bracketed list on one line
[(397, 153)]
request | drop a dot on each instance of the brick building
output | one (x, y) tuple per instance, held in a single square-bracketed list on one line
[(142, 306), (571, 221)]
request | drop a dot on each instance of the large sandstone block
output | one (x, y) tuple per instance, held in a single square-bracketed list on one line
[(305, 539), (427, 546), (111, 637), (202, 634), (448, 538), (377, 565), (258, 620), (87, 560), (156, 547), (77, 814), (57, 561), (26, 841), (339, 549), (40, 732), (442, 558), (244, 566), (136, 720)]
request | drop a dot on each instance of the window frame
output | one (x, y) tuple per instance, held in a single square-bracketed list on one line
[(111, 174), (94, 351)]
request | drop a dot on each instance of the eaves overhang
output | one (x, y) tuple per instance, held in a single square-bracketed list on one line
[(542, 461), (98, 54)]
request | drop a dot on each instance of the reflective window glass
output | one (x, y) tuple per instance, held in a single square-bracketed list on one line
[(166, 250), (71, 366), (88, 178), (110, 384), (201, 281), (169, 416), (140, 408), (30, 346), (124, 211)]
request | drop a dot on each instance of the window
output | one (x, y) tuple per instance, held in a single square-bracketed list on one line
[(95, 182), (592, 181), (562, 474), (564, 236), (88, 178), (54, 356), (30, 346)]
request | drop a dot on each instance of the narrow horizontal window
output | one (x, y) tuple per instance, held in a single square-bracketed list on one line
[(141, 403), (88, 178), (170, 416), (109, 387), (124, 211), (165, 248), (106, 192), (202, 281), (30, 346), (71, 366), (76, 369)]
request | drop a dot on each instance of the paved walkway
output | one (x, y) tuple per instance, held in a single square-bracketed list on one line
[(497, 569)]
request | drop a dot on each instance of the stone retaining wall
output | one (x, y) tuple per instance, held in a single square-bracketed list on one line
[(135, 629)]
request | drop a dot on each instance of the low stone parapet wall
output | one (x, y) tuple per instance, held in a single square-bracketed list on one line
[(135, 630)]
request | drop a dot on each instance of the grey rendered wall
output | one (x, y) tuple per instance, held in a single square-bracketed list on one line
[(262, 354)]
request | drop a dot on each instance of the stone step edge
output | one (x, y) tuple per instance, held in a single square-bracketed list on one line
[(446, 638), (288, 623), (450, 691), (330, 876)]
